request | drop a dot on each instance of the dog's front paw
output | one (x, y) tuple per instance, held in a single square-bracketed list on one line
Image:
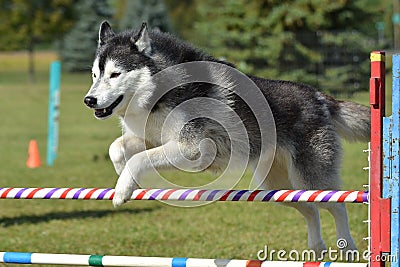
[(124, 188), (117, 156)]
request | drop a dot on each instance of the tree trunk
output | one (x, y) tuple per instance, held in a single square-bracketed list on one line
[(31, 45), (31, 60)]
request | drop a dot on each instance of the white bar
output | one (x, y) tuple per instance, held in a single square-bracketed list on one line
[(74, 259), (60, 259), (136, 261), (350, 264), (282, 264)]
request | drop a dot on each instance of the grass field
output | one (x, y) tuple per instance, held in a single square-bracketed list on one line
[(222, 230)]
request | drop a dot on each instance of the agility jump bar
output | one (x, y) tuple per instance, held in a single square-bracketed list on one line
[(99, 260), (351, 196)]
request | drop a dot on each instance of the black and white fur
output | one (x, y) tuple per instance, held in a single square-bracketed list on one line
[(308, 123)]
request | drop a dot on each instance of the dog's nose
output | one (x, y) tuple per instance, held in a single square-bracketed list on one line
[(90, 101)]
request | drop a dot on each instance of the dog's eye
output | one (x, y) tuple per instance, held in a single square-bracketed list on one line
[(115, 74), (93, 75)]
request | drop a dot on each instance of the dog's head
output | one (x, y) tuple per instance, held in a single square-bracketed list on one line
[(122, 68)]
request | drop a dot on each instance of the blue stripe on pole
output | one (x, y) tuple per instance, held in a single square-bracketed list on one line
[(179, 262), (54, 103), (17, 257), (327, 264)]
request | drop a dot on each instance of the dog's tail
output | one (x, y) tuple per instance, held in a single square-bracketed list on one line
[(352, 121)]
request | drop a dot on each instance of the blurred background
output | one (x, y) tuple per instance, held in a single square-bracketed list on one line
[(325, 43), (320, 42)]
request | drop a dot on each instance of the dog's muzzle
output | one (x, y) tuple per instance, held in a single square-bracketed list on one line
[(91, 102)]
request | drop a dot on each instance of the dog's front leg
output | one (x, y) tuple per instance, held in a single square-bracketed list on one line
[(168, 155), (123, 148)]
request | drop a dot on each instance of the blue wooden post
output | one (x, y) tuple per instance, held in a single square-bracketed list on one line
[(54, 104), (391, 162), (395, 219)]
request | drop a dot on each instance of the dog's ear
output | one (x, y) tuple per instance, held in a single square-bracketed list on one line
[(142, 40), (105, 33)]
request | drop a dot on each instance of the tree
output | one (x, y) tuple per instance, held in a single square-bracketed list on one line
[(25, 23), (183, 14), (79, 45), (154, 12), (288, 39)]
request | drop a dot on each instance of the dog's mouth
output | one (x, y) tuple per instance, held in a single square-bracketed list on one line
[(105, 112)]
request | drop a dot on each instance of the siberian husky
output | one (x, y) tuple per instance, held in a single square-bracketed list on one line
[(307, 122)]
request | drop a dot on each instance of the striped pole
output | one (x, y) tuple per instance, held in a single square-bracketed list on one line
[(189, 194), (99, 260)]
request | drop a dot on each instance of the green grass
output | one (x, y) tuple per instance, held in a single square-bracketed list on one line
[(222, 230)]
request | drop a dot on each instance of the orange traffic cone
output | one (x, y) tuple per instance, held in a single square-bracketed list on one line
[(33, 157)]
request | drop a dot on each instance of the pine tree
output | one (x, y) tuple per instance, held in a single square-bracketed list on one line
[(79, 45), (183, 14), (292, 40), (154, 12)]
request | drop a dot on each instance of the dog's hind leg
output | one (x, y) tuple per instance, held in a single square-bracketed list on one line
[(277, 178), (338, 211), (311, 215), (316, 166)]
